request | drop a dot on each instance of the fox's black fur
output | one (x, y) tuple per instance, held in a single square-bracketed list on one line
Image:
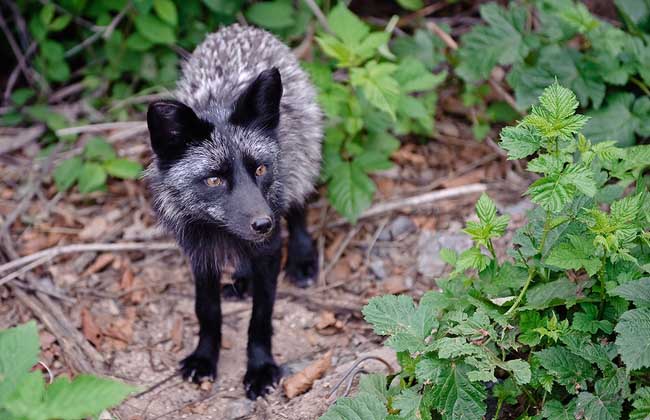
[(236, 151)]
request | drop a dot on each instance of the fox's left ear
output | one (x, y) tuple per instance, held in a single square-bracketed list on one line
[(259, 105)]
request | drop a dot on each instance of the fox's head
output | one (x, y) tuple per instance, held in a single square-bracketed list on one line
[(221, 167)]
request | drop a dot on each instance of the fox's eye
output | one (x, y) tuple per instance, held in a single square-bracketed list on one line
[(213, 181), (261, 170)]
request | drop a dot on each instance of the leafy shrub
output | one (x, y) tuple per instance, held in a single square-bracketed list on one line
[(90, 170), (546, 39), (559, 331), (370, 95), (24, 395)]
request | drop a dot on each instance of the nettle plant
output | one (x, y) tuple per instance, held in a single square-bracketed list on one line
[(25, 396), (559, 330), (370, 94), (606, 66)]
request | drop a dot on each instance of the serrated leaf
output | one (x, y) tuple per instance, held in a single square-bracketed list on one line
[(408, 404), (67, 173), (552, 293), (641, 404), (350, 190), (472, 258), (501, 41), (567, 368), (554, 410), (92, 177), (550, 193), (520, 370), (591, 352), (592, 407), (616, 120), (271, 14), (379, 87), (374, 384), (587, 321), (413, 76), (636, 291), (123, 168), (154, 30), (99, 149), (633, 340), (486, 210), (346, 25), (19, 349), (166, 10), (520, 141), (574, 254), (362, 407), (25, 402), (453, 395)]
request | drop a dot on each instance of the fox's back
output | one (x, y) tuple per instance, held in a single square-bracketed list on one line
[(225, 63)]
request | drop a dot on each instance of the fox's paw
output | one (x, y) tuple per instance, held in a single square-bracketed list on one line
[(302, 270), (198, 368), (261, 380)]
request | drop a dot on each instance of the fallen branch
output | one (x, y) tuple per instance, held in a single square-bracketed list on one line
[(415, 201), (319, 15), (49, 253), (95, 128), (23, 138)]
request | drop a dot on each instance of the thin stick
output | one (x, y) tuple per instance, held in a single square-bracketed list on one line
[(93, 247), (95, 128), (415, 201), (23, 270), (319, 15), (339, 251), (446, 38), (13, 77), (105, 33), (20, 58)]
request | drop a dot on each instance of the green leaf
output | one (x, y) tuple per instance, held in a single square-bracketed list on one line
[(594, 407), (554, 410), (567, 368), (620, 119), (166, 10), (587, 321), (362, 407), (633, 340), (453, 394), (350, 190), (346, 25), (47, 14), (271, 14), (92, 177), (408, 404), (637, 291), (154, 30), (137, 42), (472, 258), (574, 254), (520, 141), (99, 149), (550, 193), (641, 404), (26, 400), (123, 168), (520, 370), (20, 96), (413, 76), (561, 291), (499, 42), (411, 4), (374, 384), (83, 397), (19, 349), (591, 352), (486, 210), (67, 173), (377, 84)]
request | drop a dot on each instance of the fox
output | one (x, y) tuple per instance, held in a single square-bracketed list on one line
[(235, 151)]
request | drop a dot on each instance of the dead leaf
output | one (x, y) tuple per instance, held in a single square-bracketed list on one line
[(122, 328), (396, 285), (99, 264), (326, 319), (89, 328), (331, 249), (302, 381), (94, 229)]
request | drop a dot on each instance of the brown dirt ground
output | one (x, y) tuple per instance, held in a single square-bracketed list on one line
[(136, 308)]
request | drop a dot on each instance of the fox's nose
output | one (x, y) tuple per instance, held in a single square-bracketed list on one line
[(262, 224)]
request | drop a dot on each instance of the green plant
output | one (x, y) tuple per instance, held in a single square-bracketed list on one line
[(91, 169), (607, 67), (370, 95), (560, 330), (24, 395)]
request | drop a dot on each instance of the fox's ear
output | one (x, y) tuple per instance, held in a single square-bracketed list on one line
[(259, 105), (172, 125)]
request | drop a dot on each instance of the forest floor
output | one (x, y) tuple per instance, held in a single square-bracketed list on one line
[(129, 313)]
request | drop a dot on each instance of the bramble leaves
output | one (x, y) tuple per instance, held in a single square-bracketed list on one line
[(363, 406), (633, 340)]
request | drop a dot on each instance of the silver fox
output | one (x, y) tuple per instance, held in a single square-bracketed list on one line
[(236, 150)]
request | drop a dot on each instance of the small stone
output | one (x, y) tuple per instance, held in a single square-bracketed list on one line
[(238, 409), (430, 243), (377, 268), (402, 226)]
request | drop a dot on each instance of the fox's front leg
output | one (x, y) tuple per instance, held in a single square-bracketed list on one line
[(202, 363), (261, 372)]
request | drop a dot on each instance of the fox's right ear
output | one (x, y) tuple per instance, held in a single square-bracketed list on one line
[(172, 125)]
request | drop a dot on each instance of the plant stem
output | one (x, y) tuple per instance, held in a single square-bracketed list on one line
[(531, 274), (499, 404), (547, 229), (641, 85)]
